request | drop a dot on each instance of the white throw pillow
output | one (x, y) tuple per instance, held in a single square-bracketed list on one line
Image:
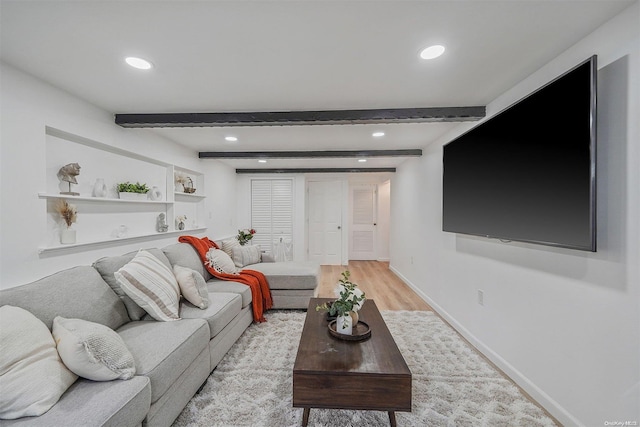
[(92, 350), (246, 255), (192, 286), (221, 262), (32, 376), (151, 285)]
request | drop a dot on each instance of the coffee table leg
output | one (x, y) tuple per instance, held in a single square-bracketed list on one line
[(392, 418), (305, 417)]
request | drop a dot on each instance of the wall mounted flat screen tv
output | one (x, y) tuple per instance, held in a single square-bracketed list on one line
[(529, 173)]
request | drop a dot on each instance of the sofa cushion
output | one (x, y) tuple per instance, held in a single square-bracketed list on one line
[(107, 266), (92, 350), (90, 403), (216, 285), (223, 307), (69, 293), (246, 255), (151, 285), (164, 350), (185, 255), (289, 275), (192, 286), (33, 376)]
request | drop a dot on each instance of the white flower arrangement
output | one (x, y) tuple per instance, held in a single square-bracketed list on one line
[(180, 178)]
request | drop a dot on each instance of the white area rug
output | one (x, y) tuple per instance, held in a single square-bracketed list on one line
[(452, 384)]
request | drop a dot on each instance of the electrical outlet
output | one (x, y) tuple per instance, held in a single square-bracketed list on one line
[(411, 260), (480, 297)]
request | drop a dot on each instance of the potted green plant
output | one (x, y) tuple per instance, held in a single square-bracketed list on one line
[(350, 300), (129, 191)]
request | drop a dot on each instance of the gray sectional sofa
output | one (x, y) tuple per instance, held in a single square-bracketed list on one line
[(173, 359)]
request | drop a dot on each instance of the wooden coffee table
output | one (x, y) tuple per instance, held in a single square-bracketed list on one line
[(364, 375)]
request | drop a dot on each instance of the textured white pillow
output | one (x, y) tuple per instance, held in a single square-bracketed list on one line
[(192, 286), (151, 285), (32, 376), (221, 262), (228, 245), (92, 350), (246, 255)]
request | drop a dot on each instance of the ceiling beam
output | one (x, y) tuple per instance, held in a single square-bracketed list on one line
[(315, 170), (308, 154), (298, 118)]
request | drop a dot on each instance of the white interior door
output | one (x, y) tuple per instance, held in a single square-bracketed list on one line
[(362, 236), (325, 222)]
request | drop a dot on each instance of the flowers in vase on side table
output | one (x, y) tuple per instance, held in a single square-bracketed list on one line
[(180, 219), (245, 235), (350, 300), (69, 214)]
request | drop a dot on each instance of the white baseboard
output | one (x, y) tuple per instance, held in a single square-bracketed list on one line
[(561, 414)]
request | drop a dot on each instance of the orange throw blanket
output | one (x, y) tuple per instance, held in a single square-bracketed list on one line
[(260, 292)]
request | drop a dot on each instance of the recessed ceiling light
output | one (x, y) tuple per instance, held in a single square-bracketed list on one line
[(231, 138), (432, 52), (262, 161), (139, 63), (378, 134), (362, 160)]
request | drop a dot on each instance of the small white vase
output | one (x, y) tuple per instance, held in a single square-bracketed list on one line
[(155, 193), (344, 324), (100, 188), (67, 236), (122, 231)]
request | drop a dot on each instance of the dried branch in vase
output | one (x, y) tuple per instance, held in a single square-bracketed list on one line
[(67, 211)]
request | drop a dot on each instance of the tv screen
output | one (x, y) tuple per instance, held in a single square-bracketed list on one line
[(528, 173)]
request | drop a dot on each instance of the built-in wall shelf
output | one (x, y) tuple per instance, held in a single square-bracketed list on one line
[(100, 199), (99, 219), (186, 197), (127, 239)]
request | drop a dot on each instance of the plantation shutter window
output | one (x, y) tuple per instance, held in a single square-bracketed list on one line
[(272, 213)]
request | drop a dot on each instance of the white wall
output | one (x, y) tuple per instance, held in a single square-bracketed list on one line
[(563, 323), (27, 105), (384, 220)]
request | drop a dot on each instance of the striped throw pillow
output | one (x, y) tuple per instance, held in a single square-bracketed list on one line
[(228, 246), (151, 285)]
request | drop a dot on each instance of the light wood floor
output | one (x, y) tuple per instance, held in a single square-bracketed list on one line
[(377, 282)]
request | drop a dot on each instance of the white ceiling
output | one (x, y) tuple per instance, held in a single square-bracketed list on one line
[(226, 56)]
